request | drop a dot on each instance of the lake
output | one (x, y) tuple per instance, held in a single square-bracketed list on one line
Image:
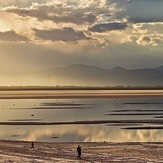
[(86, 116)]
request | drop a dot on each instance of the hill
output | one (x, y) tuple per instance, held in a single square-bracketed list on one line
[(84, 75)]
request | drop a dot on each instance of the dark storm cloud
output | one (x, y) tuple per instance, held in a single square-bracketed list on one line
[(66, 34), (12, 36), (108, 27)]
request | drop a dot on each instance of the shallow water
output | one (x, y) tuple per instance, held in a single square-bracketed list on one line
[(81, 109)]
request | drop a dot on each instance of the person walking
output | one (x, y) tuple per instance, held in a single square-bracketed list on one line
[(79, 151), (32, 145)]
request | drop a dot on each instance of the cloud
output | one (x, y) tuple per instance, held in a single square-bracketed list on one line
[(139, 11), (145, 40), (20, 3), (154, 39), (76, 18), (69, 15), (108, 27), (12, 36), (66, 34), (63, 32), (55, 14)]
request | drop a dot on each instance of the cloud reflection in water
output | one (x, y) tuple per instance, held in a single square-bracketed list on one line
[(84, 133)]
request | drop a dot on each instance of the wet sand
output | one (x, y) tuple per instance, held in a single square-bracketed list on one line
[(148, 121), (36, 94), (18, 152)]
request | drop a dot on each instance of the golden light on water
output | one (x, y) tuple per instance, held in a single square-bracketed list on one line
[(95, 133)]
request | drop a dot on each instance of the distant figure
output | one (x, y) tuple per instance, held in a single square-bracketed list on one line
[(32, 146), (79, 151)]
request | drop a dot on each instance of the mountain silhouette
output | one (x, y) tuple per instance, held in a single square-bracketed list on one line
[(117, 68), (85, 75)]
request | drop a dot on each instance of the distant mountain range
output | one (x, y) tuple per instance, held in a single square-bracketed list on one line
[(84, 75)]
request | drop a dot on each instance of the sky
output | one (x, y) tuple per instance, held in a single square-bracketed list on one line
[(44, 34)]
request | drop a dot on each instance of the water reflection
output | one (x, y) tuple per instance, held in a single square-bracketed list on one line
[(74, 133), (80, 109)]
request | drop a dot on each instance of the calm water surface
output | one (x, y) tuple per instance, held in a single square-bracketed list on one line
[(80, 109)]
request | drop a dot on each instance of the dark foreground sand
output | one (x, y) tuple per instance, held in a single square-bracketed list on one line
[(20, 152)]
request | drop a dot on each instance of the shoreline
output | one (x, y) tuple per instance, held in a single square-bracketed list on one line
[(65, 94), (20, 151), (158, 122)]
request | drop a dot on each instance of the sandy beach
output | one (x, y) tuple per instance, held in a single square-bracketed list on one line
[(65, 152), (20, 151)]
